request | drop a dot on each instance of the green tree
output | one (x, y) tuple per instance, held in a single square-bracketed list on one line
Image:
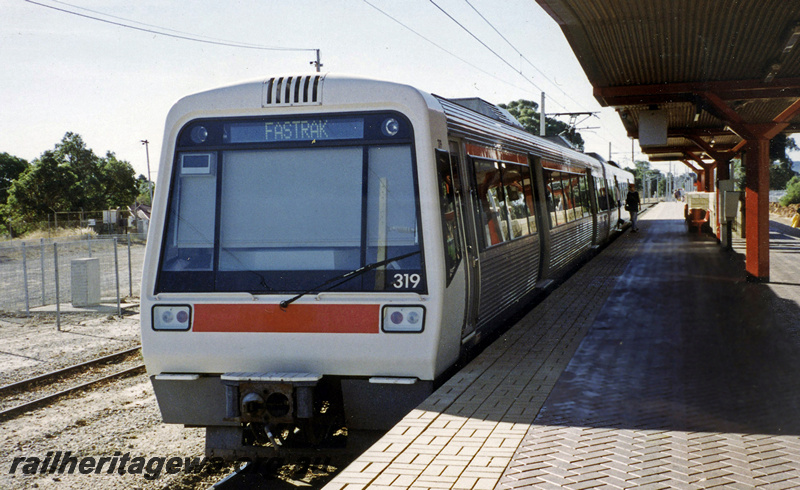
[(780, 170), (45, 187), (144, 187), (70, 178), (119, 185), (11, 168), (738, 174), (526, 112), (780, 173), (72, 151), (779, 146), (648, 180)]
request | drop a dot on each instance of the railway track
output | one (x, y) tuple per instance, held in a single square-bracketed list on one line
[(96, 370)]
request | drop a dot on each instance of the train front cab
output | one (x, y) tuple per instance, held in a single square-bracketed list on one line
[(262, 301), (247, 321)]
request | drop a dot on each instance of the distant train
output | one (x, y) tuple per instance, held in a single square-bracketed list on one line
[(324, 248)]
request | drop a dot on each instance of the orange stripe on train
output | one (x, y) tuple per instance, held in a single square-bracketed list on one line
[(293, 319)]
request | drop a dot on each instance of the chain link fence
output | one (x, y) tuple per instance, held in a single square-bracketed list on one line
[(38, 273)]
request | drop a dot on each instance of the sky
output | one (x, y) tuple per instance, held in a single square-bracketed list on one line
[(114, 85)]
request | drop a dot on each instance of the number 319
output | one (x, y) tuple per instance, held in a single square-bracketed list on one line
[(405, 281)]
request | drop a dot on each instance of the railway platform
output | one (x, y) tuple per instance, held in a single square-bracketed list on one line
[(656, 365)]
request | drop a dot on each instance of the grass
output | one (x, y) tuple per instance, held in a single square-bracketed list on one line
[(58, 233)]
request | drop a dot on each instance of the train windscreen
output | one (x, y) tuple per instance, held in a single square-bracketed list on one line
[(250, 211)]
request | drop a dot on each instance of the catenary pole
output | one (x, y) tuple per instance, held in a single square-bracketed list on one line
[(149, 180)]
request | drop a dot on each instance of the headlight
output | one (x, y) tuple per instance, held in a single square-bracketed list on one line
[(390, 127), (172, 317), (403, 318), (199, 134)]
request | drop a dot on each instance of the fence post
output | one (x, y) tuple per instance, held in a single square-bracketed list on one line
[(130, 271), (25, 280), (89, 243), (116, 272), (41, 256), (58, 299)]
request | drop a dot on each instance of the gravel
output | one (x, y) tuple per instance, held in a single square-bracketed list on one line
[(118, 420), (32, 346), (112, 421)]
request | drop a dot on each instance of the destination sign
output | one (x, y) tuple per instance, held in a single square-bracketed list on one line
[(319, 129)]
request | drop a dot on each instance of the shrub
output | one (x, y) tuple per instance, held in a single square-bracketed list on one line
[(792, 195)]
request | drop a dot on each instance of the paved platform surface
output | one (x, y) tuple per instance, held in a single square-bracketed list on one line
[(655, 366)]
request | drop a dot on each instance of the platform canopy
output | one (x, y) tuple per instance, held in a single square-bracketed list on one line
[(697, 81), (718, 70)]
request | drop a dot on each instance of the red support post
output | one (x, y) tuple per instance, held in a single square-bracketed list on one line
[(757, 210)]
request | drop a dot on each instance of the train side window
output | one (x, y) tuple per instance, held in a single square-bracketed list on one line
[(554, 196), (527, 188), (563, 196), (447, 201), (569, 181), (567, 196), (614, 194), (490, 202), (602, 194), (515, 200), (583, 192)]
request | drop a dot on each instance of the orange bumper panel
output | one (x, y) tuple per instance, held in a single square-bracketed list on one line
[(294, 319)]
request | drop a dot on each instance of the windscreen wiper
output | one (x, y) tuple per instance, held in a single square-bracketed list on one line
[(346, 277)]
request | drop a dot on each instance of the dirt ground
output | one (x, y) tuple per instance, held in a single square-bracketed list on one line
[(31, 346), (118, 421)]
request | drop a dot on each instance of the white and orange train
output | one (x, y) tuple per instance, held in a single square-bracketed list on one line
[(324, 248)]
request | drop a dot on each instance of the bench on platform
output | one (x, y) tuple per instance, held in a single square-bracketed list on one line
[(696, 218)]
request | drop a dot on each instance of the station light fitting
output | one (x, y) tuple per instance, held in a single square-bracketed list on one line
[(794, 36), (773, 71)]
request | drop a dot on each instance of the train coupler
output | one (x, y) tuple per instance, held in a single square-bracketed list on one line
[(272, 398)]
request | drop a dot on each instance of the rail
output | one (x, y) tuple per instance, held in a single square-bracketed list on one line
[(48, 379)]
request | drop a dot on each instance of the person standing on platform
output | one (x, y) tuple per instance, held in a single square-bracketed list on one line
[(632, 206)]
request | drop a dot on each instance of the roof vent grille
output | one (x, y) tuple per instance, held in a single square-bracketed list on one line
[(289, 91), (488, 109)]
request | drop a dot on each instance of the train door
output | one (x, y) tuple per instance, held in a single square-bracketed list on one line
[(470, 245)]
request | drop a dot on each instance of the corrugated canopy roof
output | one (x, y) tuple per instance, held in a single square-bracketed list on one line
[(723, 70)]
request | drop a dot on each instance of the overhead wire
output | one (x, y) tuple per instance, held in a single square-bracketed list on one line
[(143, 23), (497, 55), (162, 32), (522, 56), (518, 52), (440, 47)]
